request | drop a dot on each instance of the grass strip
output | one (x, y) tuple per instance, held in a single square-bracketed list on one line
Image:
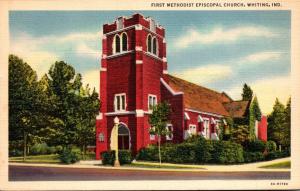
[(37, 159), (280, 165)]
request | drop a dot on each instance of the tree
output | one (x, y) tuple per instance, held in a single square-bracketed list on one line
[(88, 108), (247, 93), (25, 102), (64, 84), (287, 128), (254, 114), (158, 121), (277, 123), (240, 134)]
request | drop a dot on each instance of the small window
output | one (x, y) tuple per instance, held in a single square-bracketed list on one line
[(149, 42), (154, 44), (124, 42), (117, 44), (206, 128), (169, 128), (152, 101), (192, 129), (120, 102), (101, 137)]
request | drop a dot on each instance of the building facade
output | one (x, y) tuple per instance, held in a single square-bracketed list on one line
[(134, 77)]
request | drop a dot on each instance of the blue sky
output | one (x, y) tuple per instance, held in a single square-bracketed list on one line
[(217, 49)]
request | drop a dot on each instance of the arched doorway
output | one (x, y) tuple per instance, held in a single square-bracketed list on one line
[(123, 137)]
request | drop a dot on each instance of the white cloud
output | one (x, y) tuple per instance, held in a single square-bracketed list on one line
[(27, 49), (84, 50), (261, 57), (266, 91), (35, 52), (220, 35), (92, 78), (205, 74)]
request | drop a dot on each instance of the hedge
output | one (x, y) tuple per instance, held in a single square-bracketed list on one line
[(255, 146), (108, 157), (253, 156), (199, 152), (277, 154), (271, 146), (69, 156), (226, 152)]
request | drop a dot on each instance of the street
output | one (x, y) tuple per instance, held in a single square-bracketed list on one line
[(37, 173)]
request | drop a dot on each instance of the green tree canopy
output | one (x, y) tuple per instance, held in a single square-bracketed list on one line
[(158, 121), (247, 93), (277, 123), (26, 103)]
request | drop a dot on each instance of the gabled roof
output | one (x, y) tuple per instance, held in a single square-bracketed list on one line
[(200, 98), (237, 108)]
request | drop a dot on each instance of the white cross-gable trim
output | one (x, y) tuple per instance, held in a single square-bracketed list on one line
[(200, 119), (186, 116), (213, 121), (203, 112), (169, 88)]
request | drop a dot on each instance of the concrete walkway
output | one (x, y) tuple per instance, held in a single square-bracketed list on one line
[(254, 167)]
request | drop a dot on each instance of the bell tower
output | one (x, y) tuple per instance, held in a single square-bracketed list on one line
[(133, 62)]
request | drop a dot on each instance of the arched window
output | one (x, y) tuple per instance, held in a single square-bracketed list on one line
[(117, 44), (124, 42), (154, 44), (149, 42)]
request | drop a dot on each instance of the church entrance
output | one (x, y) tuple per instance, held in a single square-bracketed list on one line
[(123, 137)]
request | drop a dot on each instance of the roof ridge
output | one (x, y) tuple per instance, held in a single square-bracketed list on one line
[(196, 84)]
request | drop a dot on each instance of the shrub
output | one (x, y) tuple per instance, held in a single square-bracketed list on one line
[(226, 152), (255, 146), (185, 153), (51, 150), (108, 157), (58, 149), (148, 154), (253, 156), (168, 153), (203, 150), (277, 154), (69, 156), (39, 149), (271, 146), (15, 153)]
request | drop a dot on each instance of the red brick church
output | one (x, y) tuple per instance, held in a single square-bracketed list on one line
[(134, 77)]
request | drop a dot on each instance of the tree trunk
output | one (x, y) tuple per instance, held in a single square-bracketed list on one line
[(83, 152), (24, 145), (159, 155)]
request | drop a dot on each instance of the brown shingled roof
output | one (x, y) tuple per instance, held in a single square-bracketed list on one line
[(200, 98), (237, 108)]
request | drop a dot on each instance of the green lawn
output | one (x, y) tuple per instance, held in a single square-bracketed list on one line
[(53, 158), (286, 164)]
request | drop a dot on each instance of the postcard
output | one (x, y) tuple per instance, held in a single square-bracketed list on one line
[(149, 95)]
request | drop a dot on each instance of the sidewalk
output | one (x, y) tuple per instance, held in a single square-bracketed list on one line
[(252, 167)]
